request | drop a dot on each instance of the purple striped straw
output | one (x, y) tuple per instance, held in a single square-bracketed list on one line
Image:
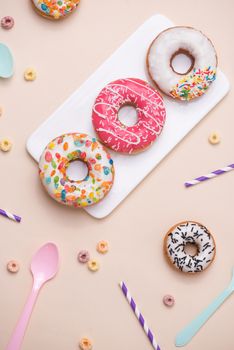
[(139, 316), (209, 176), (10, 216)]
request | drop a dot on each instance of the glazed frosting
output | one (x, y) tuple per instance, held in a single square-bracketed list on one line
[(56, 158), (202, 73), (56, 8), (150, 110), (194, 233)]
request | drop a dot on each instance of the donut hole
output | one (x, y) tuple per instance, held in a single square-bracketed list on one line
[(191, 249), (127, 114), (77, 170), (182, 62)]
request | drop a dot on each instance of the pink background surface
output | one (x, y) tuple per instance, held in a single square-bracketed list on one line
[(78, 303)]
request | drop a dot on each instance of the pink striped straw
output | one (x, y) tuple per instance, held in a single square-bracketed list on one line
[(139, 316), (209, 176)]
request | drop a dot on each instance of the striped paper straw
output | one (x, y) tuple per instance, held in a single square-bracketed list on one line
[(139, 316), (10, 216), (210, 175)]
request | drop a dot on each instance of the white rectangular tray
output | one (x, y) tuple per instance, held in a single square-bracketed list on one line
[(75, 114)]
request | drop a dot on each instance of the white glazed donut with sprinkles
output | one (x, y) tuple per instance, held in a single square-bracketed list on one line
[(192, 43), (55, 160), (193, 233)]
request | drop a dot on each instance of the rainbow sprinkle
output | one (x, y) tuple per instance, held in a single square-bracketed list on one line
[(194, 84)]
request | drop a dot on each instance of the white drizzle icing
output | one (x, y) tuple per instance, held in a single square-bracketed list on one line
[(150, 109)]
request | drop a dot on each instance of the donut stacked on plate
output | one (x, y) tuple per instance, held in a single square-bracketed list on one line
[(150, 110), (148, 102), (192, 43), (55, 160)]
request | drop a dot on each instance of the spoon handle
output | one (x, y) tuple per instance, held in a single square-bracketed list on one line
[(189, 331), (17, 336)]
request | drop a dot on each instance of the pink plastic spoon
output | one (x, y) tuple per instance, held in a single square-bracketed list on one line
[(44, 266)]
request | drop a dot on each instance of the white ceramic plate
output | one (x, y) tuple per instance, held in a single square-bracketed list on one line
[(75, 114)]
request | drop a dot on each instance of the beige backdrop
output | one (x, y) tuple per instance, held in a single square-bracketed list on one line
[(77, 302)]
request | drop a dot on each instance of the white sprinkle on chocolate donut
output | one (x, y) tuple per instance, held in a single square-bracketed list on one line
[(189, 232)]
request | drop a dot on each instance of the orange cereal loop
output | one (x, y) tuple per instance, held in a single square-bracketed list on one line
[(102, 247), (13, 266), (85, 344)]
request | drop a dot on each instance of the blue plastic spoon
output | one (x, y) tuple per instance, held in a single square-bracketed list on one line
[(188, 332), (6, 62)]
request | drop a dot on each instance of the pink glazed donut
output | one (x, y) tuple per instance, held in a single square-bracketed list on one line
[(150, 111)]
